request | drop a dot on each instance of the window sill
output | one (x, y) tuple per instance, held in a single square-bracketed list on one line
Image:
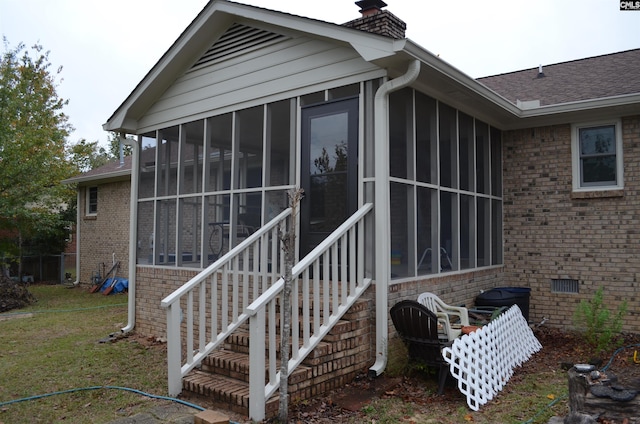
[(597, 194), (90, 217)]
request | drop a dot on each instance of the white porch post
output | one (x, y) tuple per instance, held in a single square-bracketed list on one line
[(382, 216)]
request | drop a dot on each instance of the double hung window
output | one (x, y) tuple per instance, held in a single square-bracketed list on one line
[(92, 201), (597, 156)]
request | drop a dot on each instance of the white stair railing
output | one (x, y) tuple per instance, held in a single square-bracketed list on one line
[(327, 281), (246, 285), (216, 299)]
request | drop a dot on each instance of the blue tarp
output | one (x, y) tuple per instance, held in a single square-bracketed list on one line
[(121, 285)]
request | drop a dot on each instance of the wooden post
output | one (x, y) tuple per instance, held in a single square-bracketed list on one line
[(583, 402), (578, 388)]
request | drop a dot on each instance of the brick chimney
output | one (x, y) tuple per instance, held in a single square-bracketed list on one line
[(378, 21)]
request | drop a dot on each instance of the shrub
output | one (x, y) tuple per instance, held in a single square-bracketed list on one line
[(597, 323)]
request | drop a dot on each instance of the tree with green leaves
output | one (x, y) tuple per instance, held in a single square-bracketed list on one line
[(33, 132), (86, 156), (114, 146)]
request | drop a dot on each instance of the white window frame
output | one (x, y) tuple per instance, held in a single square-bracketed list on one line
[(576, 162), (88, 209)]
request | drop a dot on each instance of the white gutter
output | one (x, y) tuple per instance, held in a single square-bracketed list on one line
[(120, 173), (382, 216), (133, 231)]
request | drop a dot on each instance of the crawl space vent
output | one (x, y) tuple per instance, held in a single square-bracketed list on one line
[(564, 285)]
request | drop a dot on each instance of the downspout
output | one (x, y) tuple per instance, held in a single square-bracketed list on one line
[(382, 216), (133, 231), (78, 211)]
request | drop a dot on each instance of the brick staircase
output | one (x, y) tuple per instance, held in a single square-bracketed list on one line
[(348, 349)]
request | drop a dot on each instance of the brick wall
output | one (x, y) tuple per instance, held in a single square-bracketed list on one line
[(454, 289), (153, 285), (107, 232), (551, 234)]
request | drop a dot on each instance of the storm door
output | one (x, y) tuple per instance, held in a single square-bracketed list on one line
[(328, 169)]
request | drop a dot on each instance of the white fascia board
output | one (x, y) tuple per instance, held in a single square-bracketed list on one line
[(581, 111), (370, 46), (221, 14), (195, 39), (519, 117), (121, 123), (627, 100), (457, 76), (122, 174)]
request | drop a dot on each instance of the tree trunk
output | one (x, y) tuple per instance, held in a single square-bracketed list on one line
[(289, 249), (19, 256)]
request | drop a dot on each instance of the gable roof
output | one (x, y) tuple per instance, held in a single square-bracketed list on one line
[(210, 26), (609, 75), (112, 171), (492, 99)]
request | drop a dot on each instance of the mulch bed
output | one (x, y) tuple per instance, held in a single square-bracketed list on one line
[(561, 350)]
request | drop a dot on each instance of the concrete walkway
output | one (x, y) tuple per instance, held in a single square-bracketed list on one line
[(168, 412)]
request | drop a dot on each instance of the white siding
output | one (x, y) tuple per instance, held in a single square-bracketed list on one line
[(282, 69)]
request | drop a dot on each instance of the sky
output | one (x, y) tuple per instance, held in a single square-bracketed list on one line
[(105, 47)]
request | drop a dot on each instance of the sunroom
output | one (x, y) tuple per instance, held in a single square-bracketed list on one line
[(399, 156), (206, 185)]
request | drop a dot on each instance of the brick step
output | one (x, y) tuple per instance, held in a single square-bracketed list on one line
[(224, 392), (223, 377), (235, 365), (241, 336)]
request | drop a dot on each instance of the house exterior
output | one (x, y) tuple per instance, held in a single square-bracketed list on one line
[(102, 223), (566, 235), (525, 179)]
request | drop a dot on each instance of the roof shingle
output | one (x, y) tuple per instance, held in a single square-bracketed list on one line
[(596, 77)]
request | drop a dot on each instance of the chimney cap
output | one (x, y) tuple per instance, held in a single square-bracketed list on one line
[(370, 6)]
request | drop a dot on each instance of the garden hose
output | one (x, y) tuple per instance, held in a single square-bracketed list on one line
[(127, 389), (618, 351)]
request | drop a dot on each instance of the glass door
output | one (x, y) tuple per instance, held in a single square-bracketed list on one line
[(328, 169)]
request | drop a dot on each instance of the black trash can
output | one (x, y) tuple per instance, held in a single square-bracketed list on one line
[(507, 296)]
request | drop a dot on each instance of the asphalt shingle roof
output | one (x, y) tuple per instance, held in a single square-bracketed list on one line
[(596, 77), (111, 168)]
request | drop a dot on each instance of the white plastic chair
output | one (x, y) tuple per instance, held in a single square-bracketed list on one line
[(445, 313)]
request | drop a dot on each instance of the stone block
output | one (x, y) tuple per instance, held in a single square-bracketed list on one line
[(210, 417)]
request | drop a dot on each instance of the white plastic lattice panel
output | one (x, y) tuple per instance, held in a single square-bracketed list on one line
[(483, 361)]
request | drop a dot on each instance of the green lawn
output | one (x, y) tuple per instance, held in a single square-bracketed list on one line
[(58, 349)]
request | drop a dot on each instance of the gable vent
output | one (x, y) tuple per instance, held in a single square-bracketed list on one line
[(238, 39), (564, 285)]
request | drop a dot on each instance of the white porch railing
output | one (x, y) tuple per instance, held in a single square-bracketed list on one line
[(216, 299), (327, 281)]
